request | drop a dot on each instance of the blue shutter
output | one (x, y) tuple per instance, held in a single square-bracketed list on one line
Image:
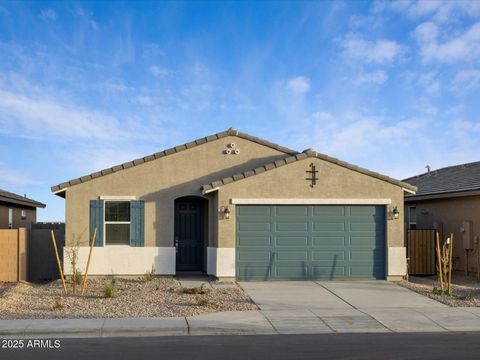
[(96, 221), (137, 223)]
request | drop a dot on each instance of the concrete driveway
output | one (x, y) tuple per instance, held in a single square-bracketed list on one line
[(277, 295), (354, 306)]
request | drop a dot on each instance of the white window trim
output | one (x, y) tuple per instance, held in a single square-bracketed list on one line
[(409, 220), (117, 198), (105, 223), (312, 201)]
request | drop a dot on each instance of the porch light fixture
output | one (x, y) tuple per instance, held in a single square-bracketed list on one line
[(395, 213), (226, 213)]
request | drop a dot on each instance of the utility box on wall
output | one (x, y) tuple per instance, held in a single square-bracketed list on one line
[(467, 235)]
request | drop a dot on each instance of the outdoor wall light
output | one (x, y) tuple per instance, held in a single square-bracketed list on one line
[(226, 213), (395, 213)]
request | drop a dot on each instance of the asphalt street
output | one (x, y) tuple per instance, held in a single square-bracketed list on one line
[(323, 346)]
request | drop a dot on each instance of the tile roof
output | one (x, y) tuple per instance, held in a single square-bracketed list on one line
[(451, 179), (300, 156), (10, 197), (176, 149)]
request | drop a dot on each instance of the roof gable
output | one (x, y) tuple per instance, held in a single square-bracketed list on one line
[(230, 132), (310, 153)]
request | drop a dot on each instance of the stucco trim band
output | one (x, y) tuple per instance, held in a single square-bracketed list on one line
[(124, 260), (236, 201)]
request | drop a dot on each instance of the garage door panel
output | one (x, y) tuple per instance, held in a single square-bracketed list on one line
[(291, 272), (327, 211), (291, 211), (291, 254), (257, 210), (328, 255), (328, 272), (328, 226), (253, 255), (254, 241), (254, 227), (291, 226), (291, 241), (328, 243)]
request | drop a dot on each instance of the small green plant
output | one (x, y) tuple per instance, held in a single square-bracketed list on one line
[(195, 291), (149, 274), (77, 277), (437, 291), (58, 304), (109, 291)]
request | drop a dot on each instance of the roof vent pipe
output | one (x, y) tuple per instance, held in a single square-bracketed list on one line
[(428, 169)]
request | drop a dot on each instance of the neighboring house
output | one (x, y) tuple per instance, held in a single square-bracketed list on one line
[(448, 200), (17, 211), (233, 205)]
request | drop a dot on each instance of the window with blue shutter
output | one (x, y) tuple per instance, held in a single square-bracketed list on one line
[(96, 221), (137, 223)]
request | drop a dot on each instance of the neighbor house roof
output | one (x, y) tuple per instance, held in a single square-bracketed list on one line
[(8, 197), (309, 153), (230, 132), (445, 182)]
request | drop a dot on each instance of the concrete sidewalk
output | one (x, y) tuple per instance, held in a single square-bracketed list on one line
[(286, 321)]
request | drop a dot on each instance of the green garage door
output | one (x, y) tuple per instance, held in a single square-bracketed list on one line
[(310, 242)]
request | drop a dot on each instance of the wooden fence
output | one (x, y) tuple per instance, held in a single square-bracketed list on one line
[(13, 255), (421, 252)]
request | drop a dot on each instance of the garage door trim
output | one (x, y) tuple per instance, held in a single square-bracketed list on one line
[(247, 201)]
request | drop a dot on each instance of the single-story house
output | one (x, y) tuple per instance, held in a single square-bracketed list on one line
[(232, 205), (448, 200), (17, 211)]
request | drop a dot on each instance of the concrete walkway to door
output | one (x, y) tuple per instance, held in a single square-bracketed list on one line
[(354, 306)]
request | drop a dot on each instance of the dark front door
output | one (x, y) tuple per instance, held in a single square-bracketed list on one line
[(190, 233)]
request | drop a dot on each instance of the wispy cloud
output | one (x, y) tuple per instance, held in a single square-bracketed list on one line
[(467, 80), (438, 10), (158, 71), (299, 84), (48, 14), (458, 48), (41, 118), (378, 77), (357, 48)]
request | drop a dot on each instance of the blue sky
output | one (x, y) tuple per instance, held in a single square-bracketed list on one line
[(390, 86)]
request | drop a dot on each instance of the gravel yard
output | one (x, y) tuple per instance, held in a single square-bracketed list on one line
[(135, 297), (466, 290)]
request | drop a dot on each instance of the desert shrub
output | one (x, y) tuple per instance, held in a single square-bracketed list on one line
[(149, 274), (58, 304), (109, 290)]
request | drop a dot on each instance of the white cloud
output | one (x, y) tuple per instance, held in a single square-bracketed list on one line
[(375, 78), (299, 84), (22, 115), (463, 47), (48, 14), (158, 71), (467, 80), (378, 51), (429, 82), (438, 10)]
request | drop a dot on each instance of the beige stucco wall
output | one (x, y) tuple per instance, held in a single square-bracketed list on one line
[(160, 182), (335, 182), (451, 213)]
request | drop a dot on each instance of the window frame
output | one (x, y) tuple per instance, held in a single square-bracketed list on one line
[(23, 214), (10, 218), (410, 222), (105, 222)]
